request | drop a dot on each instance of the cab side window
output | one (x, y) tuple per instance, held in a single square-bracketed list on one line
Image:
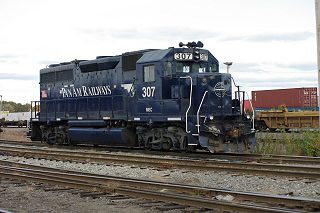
[(167, 68), (148, 73), (213, 68)]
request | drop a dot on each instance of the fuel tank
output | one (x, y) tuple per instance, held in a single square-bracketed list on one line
[(103, 136)]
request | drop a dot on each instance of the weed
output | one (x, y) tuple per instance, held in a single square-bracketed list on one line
[(303, 143)]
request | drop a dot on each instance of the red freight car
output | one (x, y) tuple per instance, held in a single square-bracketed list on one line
[(247, 106), (295, 97)]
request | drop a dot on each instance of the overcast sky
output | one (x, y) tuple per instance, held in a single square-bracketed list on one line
[(271, 43)]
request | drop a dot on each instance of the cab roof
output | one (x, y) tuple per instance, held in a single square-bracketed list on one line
[(153, 56)]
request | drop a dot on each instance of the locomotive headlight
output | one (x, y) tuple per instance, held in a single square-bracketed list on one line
[(204, 81), (196, 54)]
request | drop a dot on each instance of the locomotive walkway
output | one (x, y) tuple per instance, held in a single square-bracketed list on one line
[(298, 171), (186, 195)]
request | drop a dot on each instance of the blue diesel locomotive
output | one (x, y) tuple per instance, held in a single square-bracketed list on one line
[(168, 99)]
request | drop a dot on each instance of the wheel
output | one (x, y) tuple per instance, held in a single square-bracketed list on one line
[(148, 145), (51, 139), (166, 145)]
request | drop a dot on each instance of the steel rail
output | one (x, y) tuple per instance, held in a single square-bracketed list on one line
[(279, 159), (4, 211), (114, 184), (112, 180), (147, 194), (261, 169), (207, 162), (265, 169), (271, 158)]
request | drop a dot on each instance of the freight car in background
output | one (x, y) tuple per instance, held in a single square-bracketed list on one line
[(294, 98), (288, 109), (18, 119), (286, 120)]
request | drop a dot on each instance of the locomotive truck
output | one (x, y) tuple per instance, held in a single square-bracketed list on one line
[(168, 99)]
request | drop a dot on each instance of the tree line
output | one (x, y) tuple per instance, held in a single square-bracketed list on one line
[(14, 107)]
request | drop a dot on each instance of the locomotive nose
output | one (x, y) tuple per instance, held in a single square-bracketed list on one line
[(217, 100), (218, 88), (214, 85)]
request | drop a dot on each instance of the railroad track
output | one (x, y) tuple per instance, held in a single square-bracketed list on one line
[(259, 158), (299, 171), (280, 159), (4, 211), (187, 195)]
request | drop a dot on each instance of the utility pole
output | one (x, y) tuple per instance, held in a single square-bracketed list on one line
[(1, 111), (1, 104), (317, 8)]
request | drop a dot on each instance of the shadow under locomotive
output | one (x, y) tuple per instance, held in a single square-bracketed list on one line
[(166, 99)]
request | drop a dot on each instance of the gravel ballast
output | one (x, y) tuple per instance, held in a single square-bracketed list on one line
[(225, 180)]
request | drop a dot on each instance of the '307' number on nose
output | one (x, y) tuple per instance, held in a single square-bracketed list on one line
[(148, 92)]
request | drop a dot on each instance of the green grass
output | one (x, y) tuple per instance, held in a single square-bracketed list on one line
[(306, 143), (310, 143)]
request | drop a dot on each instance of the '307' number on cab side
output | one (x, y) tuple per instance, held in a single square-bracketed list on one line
[(148, 92)]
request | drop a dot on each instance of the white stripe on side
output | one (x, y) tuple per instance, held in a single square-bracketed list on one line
[(174, 119)]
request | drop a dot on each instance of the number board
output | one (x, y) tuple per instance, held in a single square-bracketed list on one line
[(189, 56), (148, 92), (204, 57), (183, 56)]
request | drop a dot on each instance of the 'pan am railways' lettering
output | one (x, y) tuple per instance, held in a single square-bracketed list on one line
[(85, 91)]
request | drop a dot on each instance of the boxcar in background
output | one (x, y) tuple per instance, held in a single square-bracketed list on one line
[(291, 98)]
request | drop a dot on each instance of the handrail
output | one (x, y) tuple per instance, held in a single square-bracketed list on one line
[(200, 105), (34, 109), (190, 101), (253, 114)]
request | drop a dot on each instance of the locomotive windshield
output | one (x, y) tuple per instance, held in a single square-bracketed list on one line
[(191, 67)]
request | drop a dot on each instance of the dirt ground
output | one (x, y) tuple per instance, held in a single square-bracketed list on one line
[(30, 197), (14, 133)]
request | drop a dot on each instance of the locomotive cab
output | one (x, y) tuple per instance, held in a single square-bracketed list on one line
[(183, 87)]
